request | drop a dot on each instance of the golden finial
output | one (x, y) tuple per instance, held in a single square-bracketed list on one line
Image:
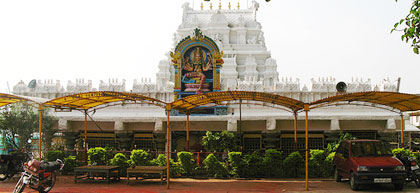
[(211, 6), (229, 5), (201, 6), (238, 5), (220, 5)]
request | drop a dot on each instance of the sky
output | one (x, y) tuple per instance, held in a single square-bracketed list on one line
[(102, 39)]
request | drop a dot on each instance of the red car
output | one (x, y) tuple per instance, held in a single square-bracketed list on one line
[(368, 162)]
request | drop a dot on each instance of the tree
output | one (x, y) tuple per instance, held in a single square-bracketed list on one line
[(411, 26), (48, 129), (21, 121), (17, 121), (220, 141)]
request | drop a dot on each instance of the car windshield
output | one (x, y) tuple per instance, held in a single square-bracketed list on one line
[(369, 148)]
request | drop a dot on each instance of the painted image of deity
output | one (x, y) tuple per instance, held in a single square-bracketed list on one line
[(197, 70)]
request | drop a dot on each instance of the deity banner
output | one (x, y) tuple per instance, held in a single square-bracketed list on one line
[(197, 70), (197, 62)]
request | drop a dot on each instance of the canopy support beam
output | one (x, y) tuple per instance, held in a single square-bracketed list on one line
[(295, 126), (402, 130), (306, 107), (188, 132), (40, 132), (168, 111), (85, 142)]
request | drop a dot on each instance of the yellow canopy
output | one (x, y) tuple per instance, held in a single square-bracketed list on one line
[(88, 100), (6, 99), (193, 101), (400, 101)]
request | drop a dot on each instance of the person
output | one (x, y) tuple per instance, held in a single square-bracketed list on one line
[(197, 66)]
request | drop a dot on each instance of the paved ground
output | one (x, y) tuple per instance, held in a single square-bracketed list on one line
[(65, 185)]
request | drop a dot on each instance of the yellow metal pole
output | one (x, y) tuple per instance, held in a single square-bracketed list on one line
[(167, 147), (188, 132), (306, 146), (85, 142), (40, 132), (402, 130), (295, 126)]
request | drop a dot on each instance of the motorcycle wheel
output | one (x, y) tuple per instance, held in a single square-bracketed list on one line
[(47, 183), (20, 186), (3, 176)]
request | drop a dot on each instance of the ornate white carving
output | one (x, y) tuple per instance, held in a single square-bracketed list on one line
[(228, 73), (79, 86), (270, 75), (112, 85), (20, 88), (323, 84), (389, 85)]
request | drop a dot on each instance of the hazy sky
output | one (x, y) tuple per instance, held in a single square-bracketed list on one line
[(102, 39)]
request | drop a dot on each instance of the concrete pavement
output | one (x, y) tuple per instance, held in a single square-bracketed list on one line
[(65, 184)]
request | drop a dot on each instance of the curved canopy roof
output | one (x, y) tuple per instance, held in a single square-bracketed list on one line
[(193, 101), (6, 99), (88, 100), (400, 101)]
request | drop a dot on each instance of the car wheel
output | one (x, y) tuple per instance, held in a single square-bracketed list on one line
[(398, 186), (352, 182), (337, 176)]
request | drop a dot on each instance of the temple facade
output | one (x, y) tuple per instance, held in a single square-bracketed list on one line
[(248, 66)]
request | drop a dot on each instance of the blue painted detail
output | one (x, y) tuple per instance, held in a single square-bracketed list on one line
[(176, 71), (185, 79), (218, 70), (177, 90), (212, 111)]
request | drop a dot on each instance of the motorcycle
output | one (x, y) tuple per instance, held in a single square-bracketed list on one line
[(412, 169), (39, 175), (12, 164)]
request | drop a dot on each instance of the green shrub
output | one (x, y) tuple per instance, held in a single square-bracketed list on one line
[(417, 156), (109, 154), (220, 141), (54, 155), (253, 166), (140, 157), (329, 170), (175, 168), (273, 163), (97, 156), (235, 163), (120, 160), (293, 165), (401, 152), (214, 167), (186, 162), (332, 147), (69, 164), (317, 163)]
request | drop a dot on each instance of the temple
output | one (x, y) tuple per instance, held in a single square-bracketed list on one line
[(235, 57)]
